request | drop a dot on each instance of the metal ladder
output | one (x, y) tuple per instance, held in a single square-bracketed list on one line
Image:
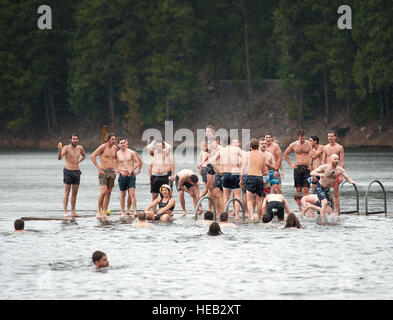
[(198, 204), (241, 206), (385, 211), (357, 199)]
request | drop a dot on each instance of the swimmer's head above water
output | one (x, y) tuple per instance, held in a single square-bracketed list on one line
[(100, 259), (208, 215), (224, 217), (214, 229), (292, 221), (19, 225)]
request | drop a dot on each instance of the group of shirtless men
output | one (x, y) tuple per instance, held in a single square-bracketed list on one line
[(224, 170)]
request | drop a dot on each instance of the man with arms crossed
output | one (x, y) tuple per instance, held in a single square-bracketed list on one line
[(187, 181), (334, 148), (106, 172), (254, 181), (275, 149), (328, 174), (126, 163), (161, 162), (73, 154), (302, 149)]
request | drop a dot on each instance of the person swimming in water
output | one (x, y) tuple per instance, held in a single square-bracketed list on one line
[(100, 259), (166, 203), (19, 225), (214, 229), (224, 221), (292, 222), (274, 205), (141, 221)]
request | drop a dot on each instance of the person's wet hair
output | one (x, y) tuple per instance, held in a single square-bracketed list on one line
[(254, 144), (298, 196), (74, 135), (292, 221), (332, 131), (19, 224), (315, 138), (141, 216), (97, 256), (214, 229), (112, 134), (267, 218), (301, 133), (223, 216), (121, 139), (194, 178), (208, 215)]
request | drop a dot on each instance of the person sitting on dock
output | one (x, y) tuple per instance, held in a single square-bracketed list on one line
[(166, 203)]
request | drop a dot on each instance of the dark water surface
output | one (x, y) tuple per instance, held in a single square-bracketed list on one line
[(52, 259)]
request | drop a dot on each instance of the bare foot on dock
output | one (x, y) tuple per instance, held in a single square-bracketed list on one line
[(184, 213)]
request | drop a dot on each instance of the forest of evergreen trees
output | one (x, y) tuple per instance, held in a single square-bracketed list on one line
[(138, 62)]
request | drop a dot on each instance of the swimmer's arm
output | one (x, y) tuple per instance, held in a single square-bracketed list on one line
[(310, 161), (170, 204), (279, 156), (83, 154), (215, 158), (286, 154), (180, 184), (303, 203), (173, 168), (272, 164), (150, 167), (136, 161)]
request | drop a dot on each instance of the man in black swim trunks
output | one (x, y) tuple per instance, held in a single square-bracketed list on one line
[(161, 162), (274, 205), (303, 165), (73, 154)]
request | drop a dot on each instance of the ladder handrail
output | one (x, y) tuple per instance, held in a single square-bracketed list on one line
[(241, 206), (198, 204), (357, 197), (384, 197)]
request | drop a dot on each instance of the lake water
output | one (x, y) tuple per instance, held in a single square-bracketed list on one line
[(52, 259)]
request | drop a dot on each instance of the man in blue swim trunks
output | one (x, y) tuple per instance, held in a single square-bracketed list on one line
[(275, 175), (126, 163), (328, 174)]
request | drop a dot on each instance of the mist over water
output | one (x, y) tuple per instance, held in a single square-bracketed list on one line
[(52, 259)]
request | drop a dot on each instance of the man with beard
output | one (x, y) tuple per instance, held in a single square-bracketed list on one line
[(73, 154), (106, 172)]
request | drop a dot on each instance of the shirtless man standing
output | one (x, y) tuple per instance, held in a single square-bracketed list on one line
[(106, 172), (126, 164), (317, 152), (73, 154), (187, 181), (230, 158), (328, 174), (270, 165), (254, 181), (275, 175), (302, 167), (136, 172), (161, 162), (334, 148)]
